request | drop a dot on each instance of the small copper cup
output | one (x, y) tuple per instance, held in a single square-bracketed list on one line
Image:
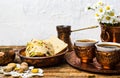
[(85, 49), (108, 54)]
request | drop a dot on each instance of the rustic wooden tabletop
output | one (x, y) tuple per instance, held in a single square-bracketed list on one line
[(66, 71)]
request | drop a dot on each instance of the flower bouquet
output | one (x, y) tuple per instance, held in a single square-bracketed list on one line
[(105, 14), (108, 20)]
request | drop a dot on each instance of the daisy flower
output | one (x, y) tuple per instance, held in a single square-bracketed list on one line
[(107, 7), (104, 13), (100, 3)]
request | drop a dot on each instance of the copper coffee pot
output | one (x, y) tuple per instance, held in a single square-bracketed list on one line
[(64, 33)]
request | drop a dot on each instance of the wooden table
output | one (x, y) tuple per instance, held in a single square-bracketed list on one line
[(65, 71)]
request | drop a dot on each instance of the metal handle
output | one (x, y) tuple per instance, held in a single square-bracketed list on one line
[(91, 27), (105, 34)]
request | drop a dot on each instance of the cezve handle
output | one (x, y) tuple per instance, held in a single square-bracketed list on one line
[(91, 27)]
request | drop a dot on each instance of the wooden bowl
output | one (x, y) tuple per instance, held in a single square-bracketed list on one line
[(42, 61), (7, 55)]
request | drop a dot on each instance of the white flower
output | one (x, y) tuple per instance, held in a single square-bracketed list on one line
[(107, 7), (111, 13), (99, 16), (100, 3), (109, 19), (105, 14), (118, 19)]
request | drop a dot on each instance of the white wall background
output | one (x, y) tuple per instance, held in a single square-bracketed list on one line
[(23, 20)]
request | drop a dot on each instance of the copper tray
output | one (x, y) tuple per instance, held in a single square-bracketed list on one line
[(94, 67)]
